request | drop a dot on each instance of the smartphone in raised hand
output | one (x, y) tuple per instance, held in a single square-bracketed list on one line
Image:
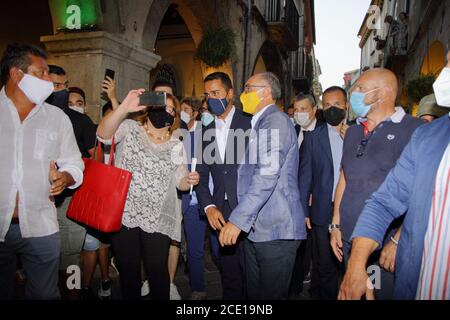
[(110, 73), (153, 99)]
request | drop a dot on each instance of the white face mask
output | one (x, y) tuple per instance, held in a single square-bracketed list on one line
[(185, 117), (442, 88), (36, 90), (77, 109), (302, 118)]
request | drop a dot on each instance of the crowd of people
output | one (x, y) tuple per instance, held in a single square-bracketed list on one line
[(286, 198)]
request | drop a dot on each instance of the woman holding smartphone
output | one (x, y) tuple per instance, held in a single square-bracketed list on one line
[(151, 218)]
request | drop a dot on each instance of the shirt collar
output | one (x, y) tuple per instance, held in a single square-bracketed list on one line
[(194, 127), (311, 127), (4, 99), (258, 115), (397, 117), (332, 129), (228, 118)]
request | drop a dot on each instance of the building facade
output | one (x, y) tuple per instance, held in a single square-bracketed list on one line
[(145, 40), (413, 47)]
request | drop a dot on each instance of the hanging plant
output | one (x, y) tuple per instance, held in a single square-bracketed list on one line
[(217, 46), (420, 87)]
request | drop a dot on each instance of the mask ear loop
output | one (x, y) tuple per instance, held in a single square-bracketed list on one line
[(376, 102)]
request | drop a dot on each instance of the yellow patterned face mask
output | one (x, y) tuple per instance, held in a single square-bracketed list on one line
[(250, 101)]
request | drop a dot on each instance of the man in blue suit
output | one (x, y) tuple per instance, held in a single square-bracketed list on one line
[(224, 144), (321, 154), (419, 185), (269, 209)]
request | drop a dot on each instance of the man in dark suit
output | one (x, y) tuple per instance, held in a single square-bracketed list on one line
[(224, 143), (320, 158), (305, 110)]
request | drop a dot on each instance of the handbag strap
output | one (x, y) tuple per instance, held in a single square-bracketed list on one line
[(111, 153), (97, 150)]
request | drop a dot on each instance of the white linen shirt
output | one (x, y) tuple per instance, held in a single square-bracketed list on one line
[(26, 151)]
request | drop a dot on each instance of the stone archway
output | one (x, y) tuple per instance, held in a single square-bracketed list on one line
[(166, 73), (156, 13), (270, 59), (434, 61), (173, 31)]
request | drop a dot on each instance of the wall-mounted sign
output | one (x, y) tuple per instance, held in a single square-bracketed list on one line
[(76, 14)]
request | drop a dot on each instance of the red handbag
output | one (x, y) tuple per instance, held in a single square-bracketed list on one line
[(100, 200)]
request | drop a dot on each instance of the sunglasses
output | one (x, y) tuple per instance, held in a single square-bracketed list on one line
[(362, 146)]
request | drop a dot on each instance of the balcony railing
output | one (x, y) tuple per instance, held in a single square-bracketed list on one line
[(283, 17)]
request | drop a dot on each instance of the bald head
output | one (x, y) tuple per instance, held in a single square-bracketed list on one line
[(381, 78)]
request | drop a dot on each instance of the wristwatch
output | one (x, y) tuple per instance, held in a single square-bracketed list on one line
[(331, 227)]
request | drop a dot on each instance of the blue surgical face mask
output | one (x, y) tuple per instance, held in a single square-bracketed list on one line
[(217, 106), (357, 103), (207, 118)]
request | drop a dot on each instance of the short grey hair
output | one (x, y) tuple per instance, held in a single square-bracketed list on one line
[(272, 80), (306, 96)]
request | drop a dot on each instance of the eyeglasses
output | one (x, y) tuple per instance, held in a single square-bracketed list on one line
[(247, 87), (362, 146)]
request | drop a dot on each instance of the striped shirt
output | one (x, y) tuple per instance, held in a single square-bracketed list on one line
[(434, 281)]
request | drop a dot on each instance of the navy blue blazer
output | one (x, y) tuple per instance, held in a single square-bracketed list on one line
[(224, 175), (316, 175)]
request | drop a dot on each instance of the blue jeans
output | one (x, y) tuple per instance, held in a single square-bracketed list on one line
[(40, 261), (195, 228)]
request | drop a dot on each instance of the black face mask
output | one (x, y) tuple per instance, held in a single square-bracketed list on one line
[(334, 116), (59, 99), (160, 118)]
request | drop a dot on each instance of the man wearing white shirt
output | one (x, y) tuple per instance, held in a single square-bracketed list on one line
[(224, 144), (41, 160)]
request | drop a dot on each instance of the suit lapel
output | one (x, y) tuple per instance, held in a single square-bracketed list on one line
[(253, 139), (230, 138), (325, 142), (213, 143)]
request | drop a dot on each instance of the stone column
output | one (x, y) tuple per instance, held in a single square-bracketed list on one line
[(86, 55)]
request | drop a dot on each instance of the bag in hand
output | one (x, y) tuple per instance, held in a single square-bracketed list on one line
[(100, 200)]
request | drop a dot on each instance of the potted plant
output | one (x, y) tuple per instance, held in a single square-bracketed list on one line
[(216, 47), (420, 87)]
